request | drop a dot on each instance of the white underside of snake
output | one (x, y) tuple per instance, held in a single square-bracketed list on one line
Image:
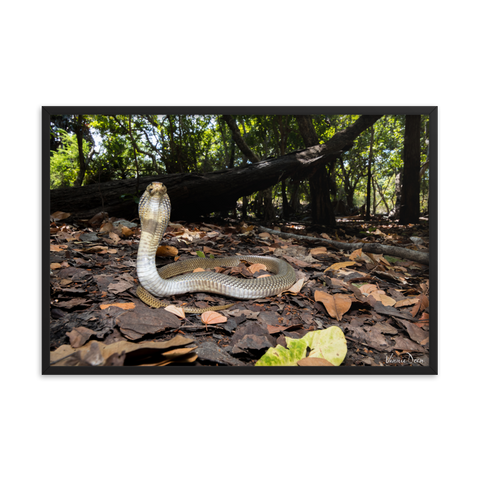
[(154, 211)]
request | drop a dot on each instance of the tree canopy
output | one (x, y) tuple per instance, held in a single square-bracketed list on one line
[(120, 147)]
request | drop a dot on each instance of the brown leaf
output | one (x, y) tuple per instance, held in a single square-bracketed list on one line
[(211, 318), (120, 286), (79, 336), (123, 306), (421, 305), (384, 299), (134, 324), (199, 270), (318, 250), (339, 265), (107, 227), (96, 249), (95, 353), (355, 254), (114, 237), (337, 305), (297, 286), (297, 262), (74, 302), (280, 328), (367, 289), (57, 248), (256, 267), (179, 312), (98, 219), (406, 302), (180, 355), (314, 362), (208, 250), (54, 217), (166, 251), (126, 232)]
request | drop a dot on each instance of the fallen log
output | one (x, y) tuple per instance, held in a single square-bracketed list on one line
[(414, 255), (195, 194)]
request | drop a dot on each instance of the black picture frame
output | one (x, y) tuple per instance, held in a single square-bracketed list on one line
[(255, 109)]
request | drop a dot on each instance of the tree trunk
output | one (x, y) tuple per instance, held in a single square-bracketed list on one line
[(369, 174), (322, 208), (237, 136), (398, 196), (410, 205), (81, 156), (195, 194)]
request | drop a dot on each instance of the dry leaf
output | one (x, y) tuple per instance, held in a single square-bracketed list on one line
[(297, 286), (337, 266), (246, 228), (337, 305), (314, 362), (355, 254), (264, 235), (199, 270), (256, 267), (123, 306), (421, 305), (95, 249), (166, 251), (79, 336), (126, 232), (106, 227), (54, 266), (367, 289), (179, 355), (208, 250), (318, 250), (57, 248), (384, 299), (211, 318), (143, 351), (54, 217), (114, 237), (406, 302), (98, 219), (176, 311)]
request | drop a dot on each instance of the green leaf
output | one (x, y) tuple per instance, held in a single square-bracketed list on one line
[(329, 344), (200, 254), (280, 356)]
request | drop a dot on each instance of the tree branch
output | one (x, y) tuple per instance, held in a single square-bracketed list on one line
[(414, 255)]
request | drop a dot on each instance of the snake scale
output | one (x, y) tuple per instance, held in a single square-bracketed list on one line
[(154, 212)]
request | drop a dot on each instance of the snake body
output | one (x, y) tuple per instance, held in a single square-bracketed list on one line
[(154, 212)]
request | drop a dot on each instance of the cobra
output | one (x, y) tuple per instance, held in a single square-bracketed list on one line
[(154, 212)]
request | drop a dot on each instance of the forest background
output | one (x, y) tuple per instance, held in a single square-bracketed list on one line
[(365, 177)]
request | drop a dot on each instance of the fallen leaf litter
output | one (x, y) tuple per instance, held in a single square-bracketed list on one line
[(379, 304)]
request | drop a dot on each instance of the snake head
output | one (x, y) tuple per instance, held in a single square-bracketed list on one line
[(156, 188)]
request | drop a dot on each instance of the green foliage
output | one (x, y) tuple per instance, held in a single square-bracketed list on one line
[(127, 146), (64, 161), (329, 344)]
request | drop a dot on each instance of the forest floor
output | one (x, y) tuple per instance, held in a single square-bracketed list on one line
[(380, 303)]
